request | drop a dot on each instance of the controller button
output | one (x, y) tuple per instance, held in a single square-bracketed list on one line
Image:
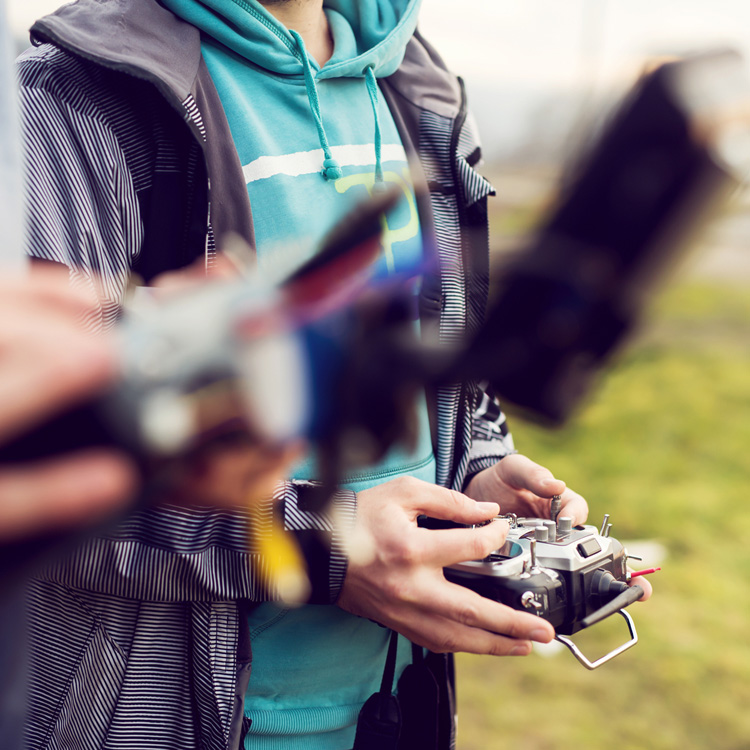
[(588, 547)]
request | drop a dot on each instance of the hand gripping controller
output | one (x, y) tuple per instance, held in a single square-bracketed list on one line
[(572, 576)]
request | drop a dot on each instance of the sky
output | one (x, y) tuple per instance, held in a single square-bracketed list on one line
[(533, 67), (561, 42), (517, 55)]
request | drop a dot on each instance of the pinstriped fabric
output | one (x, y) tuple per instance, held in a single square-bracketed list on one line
[(215, 680), (160, 527), (490, 418), (490, 436), (129, 568), (143, 694), (52, 713), (468, 140), (436, 159), (296, 519), (156, 677), (70, 731), (144, 621), (193, 114), (454, 414), (475, 186), (337, 522), (90, 162), (210, 248), (459, 422), (104, 234), (125, 669)]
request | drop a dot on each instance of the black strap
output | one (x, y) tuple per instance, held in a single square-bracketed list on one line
[(379, 723), (419, 697), (421, 718)]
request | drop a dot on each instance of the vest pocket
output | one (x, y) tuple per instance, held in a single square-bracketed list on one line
[(75, 676)]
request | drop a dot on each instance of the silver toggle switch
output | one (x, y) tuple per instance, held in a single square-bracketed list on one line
[(532, 550), (529, 600), (555, 507)]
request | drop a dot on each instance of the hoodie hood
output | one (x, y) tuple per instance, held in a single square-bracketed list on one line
[(367, 34)]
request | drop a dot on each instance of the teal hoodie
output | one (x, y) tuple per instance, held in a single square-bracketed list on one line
[(313, 142), (293, 122), (290, 118)]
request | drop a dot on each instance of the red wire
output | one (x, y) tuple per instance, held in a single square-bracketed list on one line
[(644, 572)]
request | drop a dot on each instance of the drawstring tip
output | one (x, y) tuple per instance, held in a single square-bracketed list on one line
[(332, 170)]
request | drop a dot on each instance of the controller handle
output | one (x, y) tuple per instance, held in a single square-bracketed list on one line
[(607, 657)]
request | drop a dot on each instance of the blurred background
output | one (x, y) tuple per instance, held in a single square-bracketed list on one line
[(663, 444)]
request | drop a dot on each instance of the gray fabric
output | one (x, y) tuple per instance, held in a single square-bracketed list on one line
[(137, 37)]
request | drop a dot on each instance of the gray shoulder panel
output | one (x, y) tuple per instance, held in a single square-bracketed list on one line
[(139, 37), (424, 80)]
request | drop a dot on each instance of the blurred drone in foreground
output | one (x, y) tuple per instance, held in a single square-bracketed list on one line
[(330, 357)]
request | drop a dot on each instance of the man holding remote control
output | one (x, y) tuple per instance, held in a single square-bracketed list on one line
[(162, 124)]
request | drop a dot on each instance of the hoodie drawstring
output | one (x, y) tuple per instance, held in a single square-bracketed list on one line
[(331, 168), (372, 90)]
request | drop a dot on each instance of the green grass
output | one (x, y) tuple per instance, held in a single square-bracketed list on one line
[(663, 447)]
